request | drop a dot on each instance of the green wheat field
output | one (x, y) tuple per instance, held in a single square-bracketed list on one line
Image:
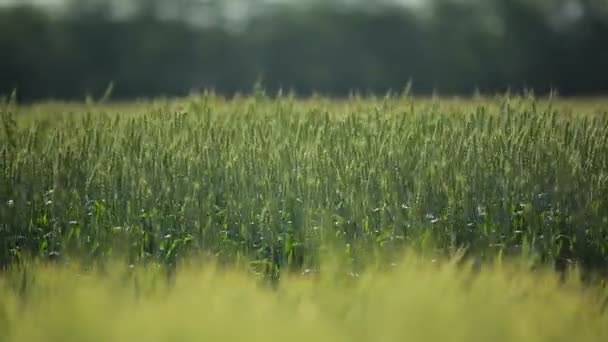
[(272, 218)]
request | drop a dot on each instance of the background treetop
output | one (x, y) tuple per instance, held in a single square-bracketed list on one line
[(69, 49)]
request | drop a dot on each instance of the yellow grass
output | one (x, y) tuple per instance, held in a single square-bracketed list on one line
[(415, 301)]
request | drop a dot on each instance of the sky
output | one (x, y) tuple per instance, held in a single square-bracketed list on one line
[(234, 12), (60, 2)]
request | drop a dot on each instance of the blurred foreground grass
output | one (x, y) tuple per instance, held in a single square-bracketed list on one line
[(417, 300)]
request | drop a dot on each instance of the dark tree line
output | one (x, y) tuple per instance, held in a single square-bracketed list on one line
[(449, 47)]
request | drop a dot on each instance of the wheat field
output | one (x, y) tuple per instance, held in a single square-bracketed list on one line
[(263, 217)]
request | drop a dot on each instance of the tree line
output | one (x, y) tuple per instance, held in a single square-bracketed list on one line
[(445, 47)]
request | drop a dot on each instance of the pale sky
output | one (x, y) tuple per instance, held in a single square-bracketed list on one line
[(59, 2), (234, 11)]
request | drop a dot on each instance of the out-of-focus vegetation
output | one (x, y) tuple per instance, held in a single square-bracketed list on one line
[(150, 48), (415, 301)]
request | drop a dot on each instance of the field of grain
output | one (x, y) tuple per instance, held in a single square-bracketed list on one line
[(358, 220)]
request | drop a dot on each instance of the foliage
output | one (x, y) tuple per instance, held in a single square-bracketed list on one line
[(449, 47), (283, 182)]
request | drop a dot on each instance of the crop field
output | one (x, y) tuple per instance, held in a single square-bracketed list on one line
[(274, 218)]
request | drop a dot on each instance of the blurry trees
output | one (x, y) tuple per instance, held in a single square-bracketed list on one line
[(151, 47)]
